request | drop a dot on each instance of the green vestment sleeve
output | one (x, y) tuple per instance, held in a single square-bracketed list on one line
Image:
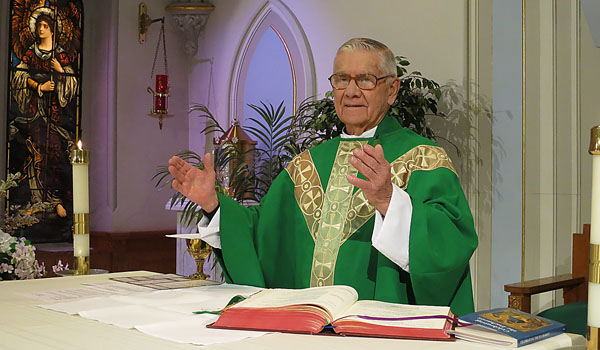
[(442, 240), (273, 244)]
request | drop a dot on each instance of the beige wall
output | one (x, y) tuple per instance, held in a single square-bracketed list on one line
[(561, 103), (440, 52), (126, 145), (589, 86)]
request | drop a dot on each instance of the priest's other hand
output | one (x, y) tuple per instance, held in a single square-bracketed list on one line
[(377, 187), (197, 185)]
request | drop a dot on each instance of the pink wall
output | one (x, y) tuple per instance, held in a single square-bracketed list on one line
[(125, 144)]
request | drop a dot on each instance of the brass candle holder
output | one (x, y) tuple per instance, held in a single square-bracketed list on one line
[(81, 232), (200, 251)]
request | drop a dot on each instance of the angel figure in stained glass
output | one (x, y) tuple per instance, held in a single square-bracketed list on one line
[(43, 86)]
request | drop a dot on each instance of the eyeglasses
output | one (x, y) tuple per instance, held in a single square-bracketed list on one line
[(365, 81)]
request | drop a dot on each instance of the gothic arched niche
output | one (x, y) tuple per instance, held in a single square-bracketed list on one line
[(274, 63)]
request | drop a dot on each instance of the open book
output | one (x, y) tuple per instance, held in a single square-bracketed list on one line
[(314, 310)]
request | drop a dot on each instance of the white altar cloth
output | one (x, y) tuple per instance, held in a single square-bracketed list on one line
[(27, 326)]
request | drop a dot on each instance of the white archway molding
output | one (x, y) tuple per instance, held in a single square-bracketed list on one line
[(273, 14)]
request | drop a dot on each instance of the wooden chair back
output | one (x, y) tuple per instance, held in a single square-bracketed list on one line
[(581, 261), (574, 285)]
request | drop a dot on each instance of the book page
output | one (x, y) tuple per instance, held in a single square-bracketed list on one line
[(334, 299), (391, 310), (484, 335)]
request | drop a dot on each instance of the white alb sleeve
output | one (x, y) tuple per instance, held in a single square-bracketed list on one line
[(209, 230), (391, 234)]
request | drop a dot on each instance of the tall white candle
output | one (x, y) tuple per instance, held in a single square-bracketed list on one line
[(81, 209), (81, 202), (594, 285), (595, 219), (594, 288)]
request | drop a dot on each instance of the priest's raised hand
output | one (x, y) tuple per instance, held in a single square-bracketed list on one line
[(377, 186), (196, 184)]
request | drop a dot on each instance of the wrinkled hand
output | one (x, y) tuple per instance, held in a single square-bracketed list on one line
[(197, 185), (377, 187)]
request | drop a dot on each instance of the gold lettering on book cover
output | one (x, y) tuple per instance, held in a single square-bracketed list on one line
[(335, 210)]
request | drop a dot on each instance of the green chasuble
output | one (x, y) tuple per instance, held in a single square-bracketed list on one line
[(313, 228)]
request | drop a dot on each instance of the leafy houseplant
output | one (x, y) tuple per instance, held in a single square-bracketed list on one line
[(281, 137)]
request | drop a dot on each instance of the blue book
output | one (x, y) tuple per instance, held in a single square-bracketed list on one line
[(508, 327)]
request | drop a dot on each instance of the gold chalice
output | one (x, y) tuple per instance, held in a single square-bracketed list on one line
[(200, 251)]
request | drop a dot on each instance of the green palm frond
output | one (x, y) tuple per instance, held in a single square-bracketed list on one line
[(212, 124)]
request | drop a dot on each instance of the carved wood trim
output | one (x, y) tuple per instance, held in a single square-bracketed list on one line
[(520, 302)]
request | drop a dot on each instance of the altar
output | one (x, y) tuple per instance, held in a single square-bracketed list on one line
[(25, 325)]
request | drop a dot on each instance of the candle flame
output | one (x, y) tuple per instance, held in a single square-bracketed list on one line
[(79, 145)]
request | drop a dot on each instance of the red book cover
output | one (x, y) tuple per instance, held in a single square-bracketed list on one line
[(335, 310)]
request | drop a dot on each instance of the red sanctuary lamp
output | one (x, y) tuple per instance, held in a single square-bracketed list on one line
[(160, 97), (160, 103), (162, 90)]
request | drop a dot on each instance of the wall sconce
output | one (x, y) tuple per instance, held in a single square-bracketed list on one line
[(160, 97), (144, 22)]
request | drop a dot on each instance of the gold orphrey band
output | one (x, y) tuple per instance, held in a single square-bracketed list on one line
[(81, 224)]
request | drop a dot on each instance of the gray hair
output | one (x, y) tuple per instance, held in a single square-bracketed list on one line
[(387, 63)]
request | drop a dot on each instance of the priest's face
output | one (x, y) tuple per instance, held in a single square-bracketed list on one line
[(361, 108)]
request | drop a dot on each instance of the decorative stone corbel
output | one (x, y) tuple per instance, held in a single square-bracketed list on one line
[(190, 17)]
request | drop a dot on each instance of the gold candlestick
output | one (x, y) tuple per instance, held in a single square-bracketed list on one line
[(81, 216), (593, 320)]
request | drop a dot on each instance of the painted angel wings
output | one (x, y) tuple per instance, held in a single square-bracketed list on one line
[(67, 30)]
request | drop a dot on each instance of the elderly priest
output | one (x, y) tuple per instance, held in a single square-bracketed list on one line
[(379, 208)]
